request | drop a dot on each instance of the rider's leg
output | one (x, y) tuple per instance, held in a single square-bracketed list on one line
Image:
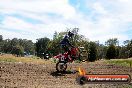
[(69, 54), (65, 48)]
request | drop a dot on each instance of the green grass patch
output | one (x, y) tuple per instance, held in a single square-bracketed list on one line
[(34, 59), (122, 62), (8, 60)]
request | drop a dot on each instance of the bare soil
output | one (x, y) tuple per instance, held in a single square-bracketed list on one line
[(29, 75)]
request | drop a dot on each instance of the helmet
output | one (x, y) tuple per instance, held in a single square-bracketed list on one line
[(70, 34)]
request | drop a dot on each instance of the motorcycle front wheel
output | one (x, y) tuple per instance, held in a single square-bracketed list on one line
[(61, 67)]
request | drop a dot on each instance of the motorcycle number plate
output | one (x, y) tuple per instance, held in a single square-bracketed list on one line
[(62, 58)]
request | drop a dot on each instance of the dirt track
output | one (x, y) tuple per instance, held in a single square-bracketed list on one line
[(22, 75)]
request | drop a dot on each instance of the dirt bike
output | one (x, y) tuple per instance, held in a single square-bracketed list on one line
[(75, 53)]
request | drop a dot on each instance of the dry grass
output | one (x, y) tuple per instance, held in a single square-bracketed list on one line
[(11, 58)]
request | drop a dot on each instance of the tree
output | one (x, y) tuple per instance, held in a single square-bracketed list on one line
[(117, 52), (124, 49), (6, 46), (129, 48), (111, 52), (14, 45), (42, 46), (92, 51), (1, 38), (28, 46), (18, 50), (101, 51), (126, 42), (1, 43), (113, 41), (55, 35), (53, 46)]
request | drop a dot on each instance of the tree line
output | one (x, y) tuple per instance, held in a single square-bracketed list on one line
[(43, 46), (15, 46)]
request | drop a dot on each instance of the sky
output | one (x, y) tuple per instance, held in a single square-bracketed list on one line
[(96, 19)]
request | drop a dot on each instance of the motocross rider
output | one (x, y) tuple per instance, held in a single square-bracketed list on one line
[(65, 43)]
